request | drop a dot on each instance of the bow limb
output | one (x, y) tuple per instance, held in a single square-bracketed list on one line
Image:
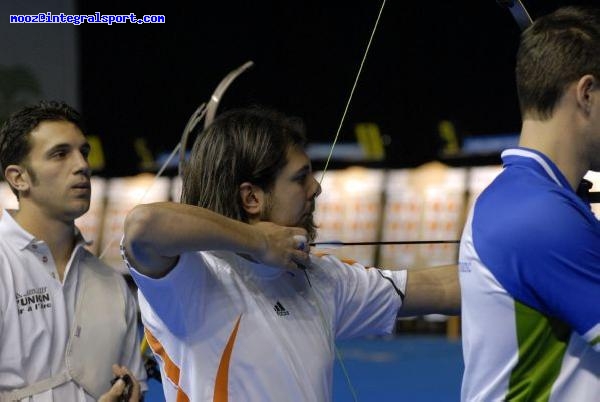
[(193, 121), (201, 112), (211, 108), (518, 11), (208, 111)]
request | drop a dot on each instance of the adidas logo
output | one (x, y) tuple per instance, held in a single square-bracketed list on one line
[(280, 310)]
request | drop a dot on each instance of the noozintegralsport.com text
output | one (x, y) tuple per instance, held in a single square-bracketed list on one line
[(75, 19)]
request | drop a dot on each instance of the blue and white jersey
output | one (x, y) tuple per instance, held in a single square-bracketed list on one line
[(530, 284)]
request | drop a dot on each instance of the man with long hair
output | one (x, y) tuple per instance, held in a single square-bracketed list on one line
[(234, 304)]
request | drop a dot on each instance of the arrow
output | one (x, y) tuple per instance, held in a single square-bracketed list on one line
[(338, 243)]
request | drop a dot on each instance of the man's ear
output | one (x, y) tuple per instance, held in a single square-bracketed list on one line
[(252, 199), (587, 92), (17, 177)]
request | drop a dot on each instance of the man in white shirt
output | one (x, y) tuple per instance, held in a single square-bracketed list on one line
[(234, 305), (65, 317)]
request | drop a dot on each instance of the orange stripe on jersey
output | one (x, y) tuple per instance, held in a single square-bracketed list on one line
[(222, 380), (170, 368), (348, 261)]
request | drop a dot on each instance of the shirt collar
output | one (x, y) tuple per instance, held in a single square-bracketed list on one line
[(537, 161), (264, 271), (245, 266), (12, 231)]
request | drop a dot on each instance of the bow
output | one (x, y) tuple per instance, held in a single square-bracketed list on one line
[(209, 110), (206, 111), (518, 11)]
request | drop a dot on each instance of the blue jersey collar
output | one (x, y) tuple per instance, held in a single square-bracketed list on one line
[(535, 160)]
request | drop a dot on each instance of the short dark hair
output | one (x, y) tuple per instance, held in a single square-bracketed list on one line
[(242, 145), (557, 50), (15, 133)]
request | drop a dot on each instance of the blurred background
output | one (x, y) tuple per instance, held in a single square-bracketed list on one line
[(430, 62), (434, 107)]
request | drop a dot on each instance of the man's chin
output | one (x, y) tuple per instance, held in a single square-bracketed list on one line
[(309, 225), (78, 210)]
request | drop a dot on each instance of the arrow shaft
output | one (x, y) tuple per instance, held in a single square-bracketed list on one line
[(383, 243)]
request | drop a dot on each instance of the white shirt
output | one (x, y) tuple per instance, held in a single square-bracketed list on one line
[(36, 313), (226, 329)]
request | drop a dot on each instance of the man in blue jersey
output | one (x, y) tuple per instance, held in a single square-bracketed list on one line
[(530, 251)]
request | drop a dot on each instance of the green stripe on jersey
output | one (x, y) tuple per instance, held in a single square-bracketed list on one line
[(542, 345)]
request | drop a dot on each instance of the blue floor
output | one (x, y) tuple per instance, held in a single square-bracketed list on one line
[(407, 368), (415, 368)]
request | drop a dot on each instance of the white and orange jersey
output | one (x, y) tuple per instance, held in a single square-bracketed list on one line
[(226, 329)]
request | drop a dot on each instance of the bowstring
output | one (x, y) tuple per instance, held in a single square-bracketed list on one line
[(148, 188), (335, 139), (347, 107)]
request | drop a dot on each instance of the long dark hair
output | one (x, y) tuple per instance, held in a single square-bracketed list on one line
[(243, 145)]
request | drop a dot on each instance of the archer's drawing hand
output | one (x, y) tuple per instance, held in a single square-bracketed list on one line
[(284, 247)]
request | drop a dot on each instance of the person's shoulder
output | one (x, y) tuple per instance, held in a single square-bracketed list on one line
[(321, 258), (10, 230), (331, 264), (514, 202), (538, 221)]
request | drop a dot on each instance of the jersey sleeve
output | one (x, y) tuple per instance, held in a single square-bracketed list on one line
[(169, 297), (548, 257), (366, 300)]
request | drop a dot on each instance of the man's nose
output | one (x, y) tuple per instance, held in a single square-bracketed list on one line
[(82, 165), (316, 189)]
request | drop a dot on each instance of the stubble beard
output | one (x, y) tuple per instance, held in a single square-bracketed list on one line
[(307, 222)]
